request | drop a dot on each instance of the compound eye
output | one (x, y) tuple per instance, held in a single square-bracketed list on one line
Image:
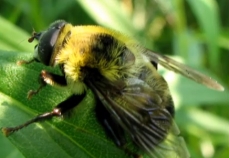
[(47, 42)]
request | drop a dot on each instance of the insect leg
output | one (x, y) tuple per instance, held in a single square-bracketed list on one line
[(113, 129), (21, 62), (59, 110), (47, 78)]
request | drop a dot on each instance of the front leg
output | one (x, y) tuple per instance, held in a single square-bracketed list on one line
[(47, 78), (61, 109)]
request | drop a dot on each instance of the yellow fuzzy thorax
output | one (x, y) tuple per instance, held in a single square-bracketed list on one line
[(77, 52)]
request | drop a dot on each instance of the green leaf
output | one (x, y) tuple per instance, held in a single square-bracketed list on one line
[(203, 121), (109, 14), (207, 14), (9, 151), (13, 38), (78, 136)]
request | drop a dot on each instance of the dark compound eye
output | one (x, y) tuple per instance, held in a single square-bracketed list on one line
[(47, 41)]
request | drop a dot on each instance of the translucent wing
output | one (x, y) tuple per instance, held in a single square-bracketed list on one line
[(137, 108), (183, 69)]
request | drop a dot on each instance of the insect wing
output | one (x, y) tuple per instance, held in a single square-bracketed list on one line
[(182, 69), (136, 108)]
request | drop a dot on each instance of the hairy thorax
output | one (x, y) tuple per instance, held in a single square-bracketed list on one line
[(80, 50)]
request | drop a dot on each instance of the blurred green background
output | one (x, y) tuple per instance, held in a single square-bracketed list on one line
[(195, 32)]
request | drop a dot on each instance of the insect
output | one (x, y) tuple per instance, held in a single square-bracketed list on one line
[(132, 97)]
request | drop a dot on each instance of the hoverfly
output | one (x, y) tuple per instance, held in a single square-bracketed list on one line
[(132, 97)]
